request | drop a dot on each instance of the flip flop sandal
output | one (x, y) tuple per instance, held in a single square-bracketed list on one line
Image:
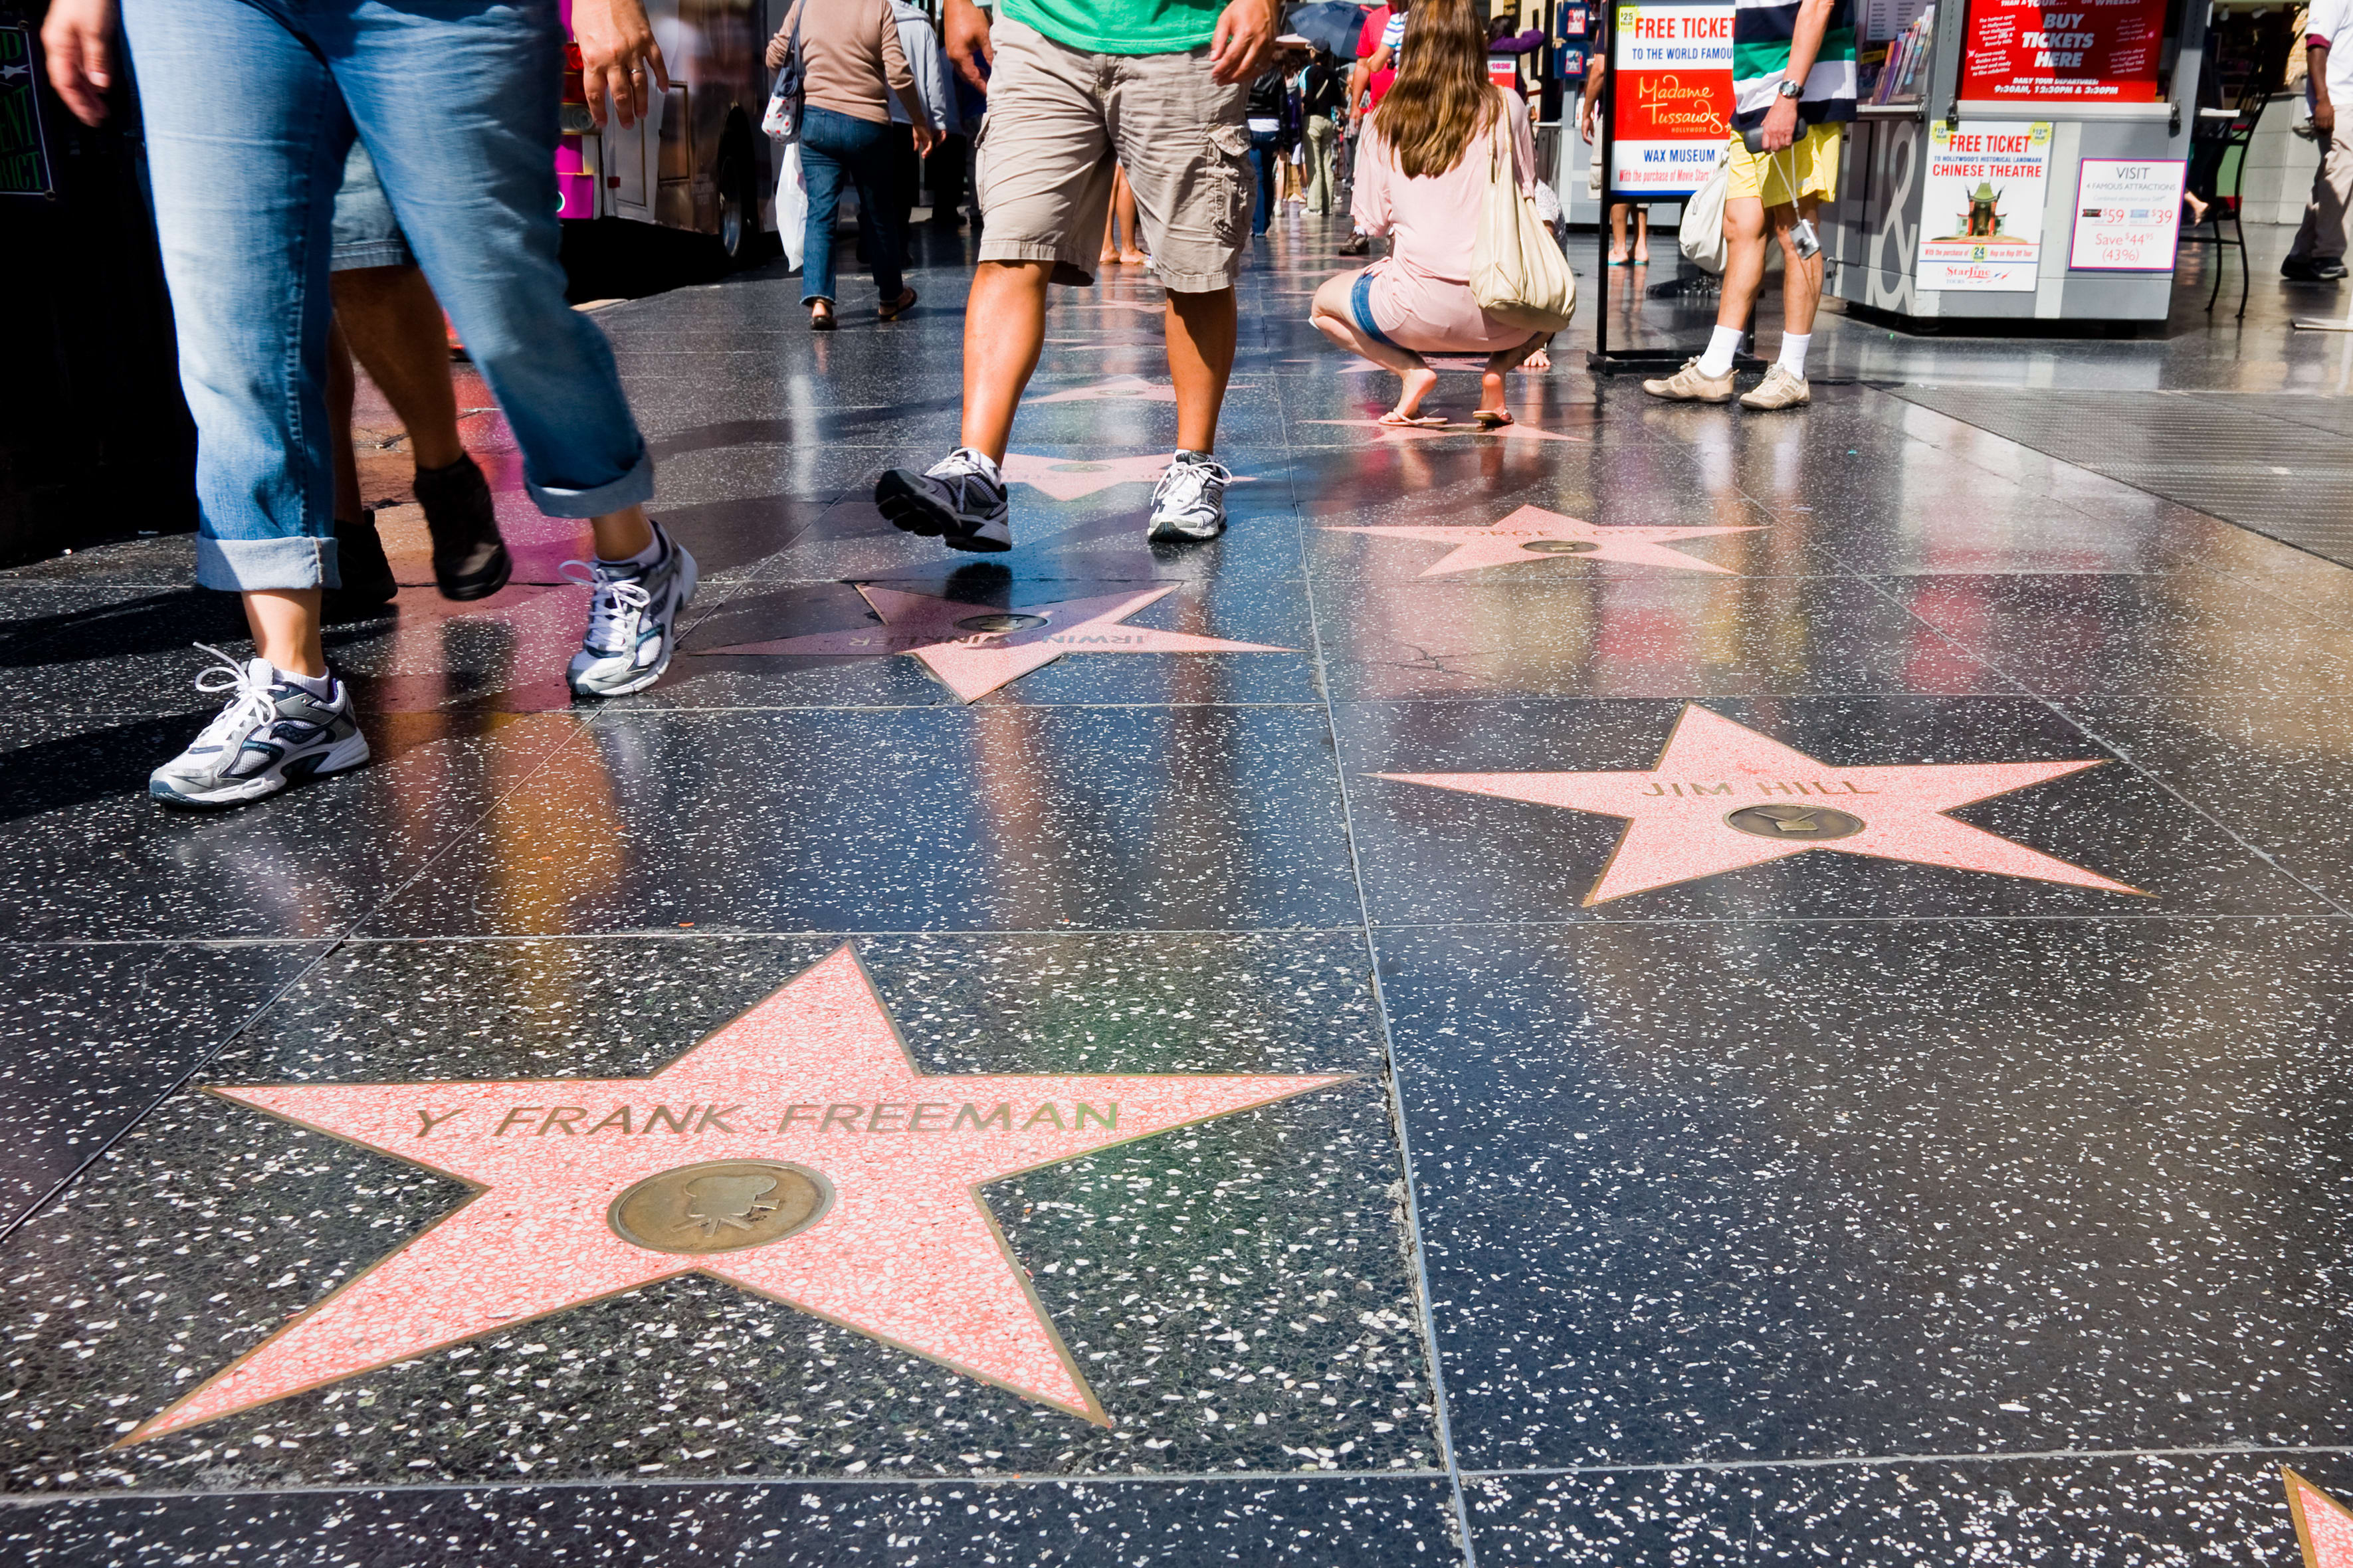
[(1491, 419), (897, 307), (1395, 421)]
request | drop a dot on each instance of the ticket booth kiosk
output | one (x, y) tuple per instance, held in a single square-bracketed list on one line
[(2017, 160)]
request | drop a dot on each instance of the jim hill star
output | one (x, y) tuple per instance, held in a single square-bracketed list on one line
[(1722, 796), (1532, 533), (976, 648), (811, 1088)]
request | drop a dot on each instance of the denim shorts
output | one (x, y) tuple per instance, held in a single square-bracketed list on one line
[(366, 232), (1360, 305)]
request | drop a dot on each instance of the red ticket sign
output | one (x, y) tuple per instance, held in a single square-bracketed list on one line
[(2103, 51)]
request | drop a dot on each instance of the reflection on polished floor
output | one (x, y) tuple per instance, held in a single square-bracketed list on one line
[(1662, 986)]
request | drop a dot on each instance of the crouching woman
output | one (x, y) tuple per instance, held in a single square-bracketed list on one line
[(1422, 171)]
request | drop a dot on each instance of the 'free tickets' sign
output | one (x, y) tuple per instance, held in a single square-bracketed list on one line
[(2127, 214), (2103, 51), (1982, 210), (1671, 95)]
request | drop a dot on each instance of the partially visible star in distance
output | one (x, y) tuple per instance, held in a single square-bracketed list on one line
[(1068, 479), (976, 648), (2323, 1526), (1532, 533), (797, 1152), (1722, 796), (1516, 431)]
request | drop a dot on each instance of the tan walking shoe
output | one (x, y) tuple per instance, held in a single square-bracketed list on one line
[(1687, 386), (1780, 389)]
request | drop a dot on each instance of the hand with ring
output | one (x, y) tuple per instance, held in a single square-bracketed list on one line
[(617, 57)]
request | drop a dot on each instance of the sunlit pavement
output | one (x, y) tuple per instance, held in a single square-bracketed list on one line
[(1666, 985)]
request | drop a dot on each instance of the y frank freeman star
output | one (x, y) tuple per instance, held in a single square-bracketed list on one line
[(796, 1153), (1532, 533), (1722, 796), (976, 648)]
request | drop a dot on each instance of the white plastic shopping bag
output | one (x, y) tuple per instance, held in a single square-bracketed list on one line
[(792, 203)]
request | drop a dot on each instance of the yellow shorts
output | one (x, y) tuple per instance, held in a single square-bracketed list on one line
[(1813, 160)]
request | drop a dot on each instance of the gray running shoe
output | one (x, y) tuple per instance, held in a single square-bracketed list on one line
[(630, 613), (271, 733), (1188, 505), (959, 500)]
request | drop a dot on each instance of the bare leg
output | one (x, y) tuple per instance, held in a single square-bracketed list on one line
[(1112, 215), (1331, 316), (623, 534), (1802, 278), (1743, 267), (1641, 234), (1618, 232), (1004, 329), (1202, 331), (394, 325), (285, 625), (342, 393), (1500, 363)]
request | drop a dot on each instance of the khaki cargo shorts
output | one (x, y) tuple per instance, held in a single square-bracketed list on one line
[(1057, 118)]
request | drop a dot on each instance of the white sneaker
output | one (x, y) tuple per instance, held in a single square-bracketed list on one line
[(959, 500), (271, 733), (1188, 506), (630, 613)]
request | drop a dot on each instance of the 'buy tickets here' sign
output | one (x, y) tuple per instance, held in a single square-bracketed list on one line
[(2093, 51)]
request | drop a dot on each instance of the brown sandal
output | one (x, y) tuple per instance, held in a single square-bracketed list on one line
[(898, 307)]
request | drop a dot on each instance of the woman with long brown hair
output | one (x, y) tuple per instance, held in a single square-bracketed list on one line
[(1422, 171)]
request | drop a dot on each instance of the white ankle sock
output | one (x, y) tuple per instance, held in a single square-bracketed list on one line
[(1722, 344), (1793, 353), (319, 686), (646, 557)]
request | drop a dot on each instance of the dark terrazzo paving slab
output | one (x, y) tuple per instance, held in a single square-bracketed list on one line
[(2275, 771), (1351, 1522), (90, 1035), (1437, 855), (85, 854), (1102, 535), (1273, 615), (1577, 634), (1003, 816), (167, 560), (1717, 1191), (1237, 1292), (2188, 634), (2137, 1511)]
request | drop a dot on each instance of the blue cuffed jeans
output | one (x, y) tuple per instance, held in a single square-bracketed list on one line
[(837, 147), (250, 109)]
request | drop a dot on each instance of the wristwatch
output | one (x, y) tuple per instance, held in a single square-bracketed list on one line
[(1789, 89)]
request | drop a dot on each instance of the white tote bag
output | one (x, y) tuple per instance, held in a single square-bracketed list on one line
[(1700, 236), (1518, 274), (792, 203)]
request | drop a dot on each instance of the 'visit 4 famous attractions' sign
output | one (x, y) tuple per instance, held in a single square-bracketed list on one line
[(1671, 95)]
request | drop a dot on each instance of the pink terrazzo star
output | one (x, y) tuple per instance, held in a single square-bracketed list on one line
[(976, 648), (1516, 431), (814, 1078), (2323, 1526), (1068, 479), (1722, 796), (1532, 533), (1116, 389)]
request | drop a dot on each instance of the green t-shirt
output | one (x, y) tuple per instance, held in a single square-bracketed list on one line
[(1120, 27)]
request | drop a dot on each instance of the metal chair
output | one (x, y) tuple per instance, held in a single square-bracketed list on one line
[(2220, 131)]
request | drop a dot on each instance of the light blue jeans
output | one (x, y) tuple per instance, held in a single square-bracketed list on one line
[(250, 109)]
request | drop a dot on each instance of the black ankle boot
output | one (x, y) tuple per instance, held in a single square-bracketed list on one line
[(470, 559), (368, 585)]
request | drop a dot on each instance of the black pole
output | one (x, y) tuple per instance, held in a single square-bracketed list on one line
[(1605, 106)]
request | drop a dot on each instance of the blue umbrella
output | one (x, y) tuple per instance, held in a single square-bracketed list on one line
[(1333, 25)]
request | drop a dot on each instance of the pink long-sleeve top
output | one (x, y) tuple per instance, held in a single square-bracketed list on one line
[(1434, 218)]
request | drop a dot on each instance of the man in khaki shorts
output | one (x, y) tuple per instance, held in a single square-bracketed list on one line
[(1072, 85)]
